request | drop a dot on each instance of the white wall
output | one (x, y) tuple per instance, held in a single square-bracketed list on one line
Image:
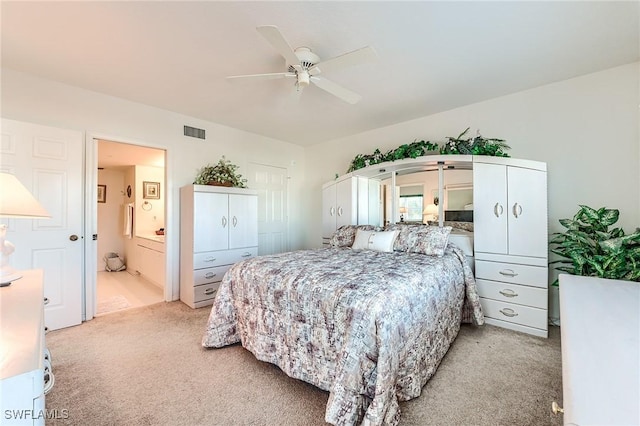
[(586, 129), (148, 217), (110, 215), (28, 98)]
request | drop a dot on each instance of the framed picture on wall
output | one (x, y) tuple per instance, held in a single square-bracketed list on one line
[(151, 190), (102, 193)]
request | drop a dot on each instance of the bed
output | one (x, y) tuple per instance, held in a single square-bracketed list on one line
[(369, 326)]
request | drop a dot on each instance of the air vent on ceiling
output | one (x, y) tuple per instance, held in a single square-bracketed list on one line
[(194, 132)]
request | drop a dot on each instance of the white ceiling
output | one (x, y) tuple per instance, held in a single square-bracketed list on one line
[(433, 56)]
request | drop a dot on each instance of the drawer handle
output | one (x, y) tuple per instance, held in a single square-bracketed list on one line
[(49, 381), (247, 254), (210, 259), (46, 330), (235, 221), (508, 273), (209, 291), (224, 222), (508, 312), (507, 292), (46, 300), (209, 275), (332, 211)]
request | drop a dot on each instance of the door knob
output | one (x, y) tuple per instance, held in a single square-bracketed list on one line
[(73, 237)]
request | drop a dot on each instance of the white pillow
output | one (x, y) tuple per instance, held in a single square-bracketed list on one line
[(374, 240)]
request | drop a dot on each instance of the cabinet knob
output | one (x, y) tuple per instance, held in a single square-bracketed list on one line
[(517, 210), (234, 221), (556, 408), (498, 210), (224, 221)]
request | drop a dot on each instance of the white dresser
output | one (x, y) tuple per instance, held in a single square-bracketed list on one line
[(600, 351), (218, 227), (25, 374), (510, 242)]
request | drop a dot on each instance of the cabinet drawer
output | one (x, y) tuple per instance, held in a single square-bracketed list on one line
[(223, 257), (517, 314), (209, 275), (204, 292), (512, 273), (513, 293)]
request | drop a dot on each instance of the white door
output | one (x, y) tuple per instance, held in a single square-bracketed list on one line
[(49, 162), (527, 195), (272, 185), (210, 221), (243, 221), (490, 208)]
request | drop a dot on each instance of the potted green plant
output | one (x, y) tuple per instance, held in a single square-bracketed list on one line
[(223, 173), (590, 248)]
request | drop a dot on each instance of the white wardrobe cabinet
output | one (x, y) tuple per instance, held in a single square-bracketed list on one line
[(510, 242), (218, 227), (349, 201)]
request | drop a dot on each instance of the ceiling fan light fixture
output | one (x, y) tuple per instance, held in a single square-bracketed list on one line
[(303, 78)]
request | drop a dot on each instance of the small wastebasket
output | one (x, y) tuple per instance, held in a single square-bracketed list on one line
[(114, 262)]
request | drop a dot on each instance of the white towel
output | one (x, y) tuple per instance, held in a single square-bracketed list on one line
[(128, 220)]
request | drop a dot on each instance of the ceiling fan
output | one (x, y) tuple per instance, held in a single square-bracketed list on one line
[(306, 67)]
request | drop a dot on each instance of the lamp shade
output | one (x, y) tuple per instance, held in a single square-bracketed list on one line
[(402, 210), (431, 209), (16, 200)]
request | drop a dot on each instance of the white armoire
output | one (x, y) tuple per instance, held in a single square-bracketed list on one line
[(218, 227), (511, 242)]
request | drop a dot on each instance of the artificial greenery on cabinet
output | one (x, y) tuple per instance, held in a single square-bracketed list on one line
[(477, 145), (590, 248), (223, 173)]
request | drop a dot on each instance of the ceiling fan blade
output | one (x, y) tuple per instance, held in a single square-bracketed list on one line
[(269, 76), (360, 56), (277, 40), (336, 90)]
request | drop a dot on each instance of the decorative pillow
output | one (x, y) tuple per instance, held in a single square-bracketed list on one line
[(344, 236), (402, 243), (374, 240), (431, 240)]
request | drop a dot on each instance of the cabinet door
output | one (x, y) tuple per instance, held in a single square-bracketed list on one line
[(490, 208), (346, 201), (329, 210), (527, 195), (210, 221), (243, 221)]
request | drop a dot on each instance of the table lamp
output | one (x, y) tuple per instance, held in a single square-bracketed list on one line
[(402, 211), (432, 210), (15, 201)]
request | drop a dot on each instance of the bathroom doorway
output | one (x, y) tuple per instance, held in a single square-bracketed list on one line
[(131, 255)]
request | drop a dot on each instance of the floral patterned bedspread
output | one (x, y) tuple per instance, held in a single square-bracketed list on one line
[(369, 327)]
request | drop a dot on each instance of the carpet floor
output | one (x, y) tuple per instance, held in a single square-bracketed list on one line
[(145, 366)]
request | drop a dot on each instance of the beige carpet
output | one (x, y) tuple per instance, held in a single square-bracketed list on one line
[(145, 366), (112, 304)]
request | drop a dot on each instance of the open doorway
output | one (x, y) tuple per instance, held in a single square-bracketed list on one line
[(131, 254)]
